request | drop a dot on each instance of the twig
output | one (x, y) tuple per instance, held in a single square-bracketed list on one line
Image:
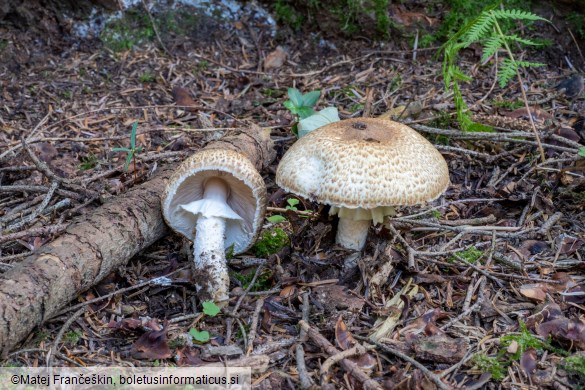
[(433, 377), (550, 222), (254, 325), (38, 211), (51, 229), (348, 365), (54, 349), (25, 188), (306, 380), (356, 350), (576, 45), (42, 166), (155, 29), (239, 302), (473, 308), (283, 210), (114, 293)]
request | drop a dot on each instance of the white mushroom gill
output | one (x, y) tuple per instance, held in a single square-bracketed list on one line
[(208, 247)]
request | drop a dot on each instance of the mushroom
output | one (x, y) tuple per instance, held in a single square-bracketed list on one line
[(363, 167), (216, 199)]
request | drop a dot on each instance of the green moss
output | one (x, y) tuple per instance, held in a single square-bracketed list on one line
[(470, 255), (263, 281), (288, 15), (270, 242), (382, 19), (577, 22), (72, 337), (88, 162), (3, 44), (132, 30), (507, 104), (146, 77), (575, 366), (524, 339), (490, 364)]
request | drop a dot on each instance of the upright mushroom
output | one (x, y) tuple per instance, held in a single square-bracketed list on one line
[(362, 167), (216, 199)]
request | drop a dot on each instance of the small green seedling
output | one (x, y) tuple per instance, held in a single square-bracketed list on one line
[(210, 309), (301, 104), (292, 204), (582, 152), (132, 150), (276, 219)]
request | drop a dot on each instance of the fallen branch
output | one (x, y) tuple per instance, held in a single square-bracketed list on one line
[(348, 365), (95, 245)]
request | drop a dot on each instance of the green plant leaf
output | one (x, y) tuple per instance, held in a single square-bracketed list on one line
[(133, 136), (516, 14), (210, 308), (276, 219), (310, 98), (295, 97), (128, 160), (121, 150), (582, 152), (202, 336), (293, 201), (305, 112), (289, 105), (321, 118)]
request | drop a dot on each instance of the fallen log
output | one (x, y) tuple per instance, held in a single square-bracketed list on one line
[(95, 245)]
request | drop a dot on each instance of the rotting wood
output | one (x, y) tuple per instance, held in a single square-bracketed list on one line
[(97, 244)]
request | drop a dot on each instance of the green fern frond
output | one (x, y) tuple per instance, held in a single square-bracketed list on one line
[(458, 74), (516, 38), (528, 64), (479, 30), (507, 71), (490, 47), (516, 14)]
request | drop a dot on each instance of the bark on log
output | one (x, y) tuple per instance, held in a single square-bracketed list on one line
[(95, 245)]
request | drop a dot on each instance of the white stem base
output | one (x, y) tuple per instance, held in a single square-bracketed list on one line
[(209, 253), (352, 234)]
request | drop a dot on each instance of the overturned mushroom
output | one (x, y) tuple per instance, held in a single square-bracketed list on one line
[(216, 199), (362, 167)]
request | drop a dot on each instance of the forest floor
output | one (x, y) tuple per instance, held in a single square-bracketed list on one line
[(479, 289)]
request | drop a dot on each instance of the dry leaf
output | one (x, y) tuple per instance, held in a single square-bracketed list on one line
[(183, 99), (528, 361), (534, 291), (343, 337), (152, 345), (275, 59)]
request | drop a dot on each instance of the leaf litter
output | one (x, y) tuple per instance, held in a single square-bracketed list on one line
[(481, 287)]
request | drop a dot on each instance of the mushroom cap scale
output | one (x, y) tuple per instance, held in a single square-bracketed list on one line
[(247, 195), (364, 163)]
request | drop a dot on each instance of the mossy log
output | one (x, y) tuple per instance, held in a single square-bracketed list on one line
[(95, 245)]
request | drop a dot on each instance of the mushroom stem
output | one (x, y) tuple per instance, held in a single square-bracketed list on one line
[(352, 234), (209, 253), (208, 246)]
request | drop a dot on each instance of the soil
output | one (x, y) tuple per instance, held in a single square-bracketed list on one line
[(482, 287)]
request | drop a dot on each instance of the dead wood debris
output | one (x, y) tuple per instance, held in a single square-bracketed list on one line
[(505, 244)]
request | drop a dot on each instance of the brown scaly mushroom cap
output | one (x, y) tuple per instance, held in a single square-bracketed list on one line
[(247, 196), (362, 167)]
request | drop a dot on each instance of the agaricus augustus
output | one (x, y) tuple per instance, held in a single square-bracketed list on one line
[(363, 167), (216, 199)]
